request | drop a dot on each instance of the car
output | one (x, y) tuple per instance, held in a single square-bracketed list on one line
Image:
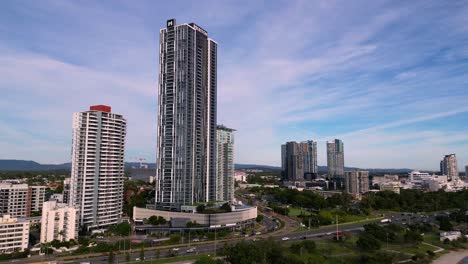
[(329, 233), (285, 238), (304, 238), (175, 249), (258, 233), (137, 259), (196, 240), (191, 250)]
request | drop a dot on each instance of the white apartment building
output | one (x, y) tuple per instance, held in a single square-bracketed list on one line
[(14, 234), (37, 197), (393, 186), (58, 222), (416, 178), (97, 174), (14, 200), (225, 163)]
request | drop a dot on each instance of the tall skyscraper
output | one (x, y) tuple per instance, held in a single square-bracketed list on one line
[(357, 182), (225, 163), (299, 160), (449, 166), (186, 150), (335, 159), (97, 173)]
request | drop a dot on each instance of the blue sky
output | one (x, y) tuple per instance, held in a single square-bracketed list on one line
[(390, 78)]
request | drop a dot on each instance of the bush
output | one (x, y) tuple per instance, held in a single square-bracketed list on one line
[(367, 242)]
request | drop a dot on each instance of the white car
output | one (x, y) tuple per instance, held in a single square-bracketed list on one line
[(191, 250), (175, 249), (285, 238)]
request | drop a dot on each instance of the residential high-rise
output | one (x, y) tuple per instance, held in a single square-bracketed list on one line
[(449, 166), (97, 173), (335, 159), (225, 163), (37, 197), (186, 145), (299, 160), (58, 222), (66, 190), (14, 234), (15, 200), (357, 182)]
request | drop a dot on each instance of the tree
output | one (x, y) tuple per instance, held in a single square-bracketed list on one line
[(259, 218), (127, 257), (201, 208), (162, 220), (445, 224), (226, 207), (413, 236), (123, 229), (367, 242)]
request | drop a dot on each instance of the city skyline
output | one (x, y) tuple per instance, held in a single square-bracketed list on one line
[(395, 100)]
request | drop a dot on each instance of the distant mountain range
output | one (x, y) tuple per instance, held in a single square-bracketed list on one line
[(28, 165)]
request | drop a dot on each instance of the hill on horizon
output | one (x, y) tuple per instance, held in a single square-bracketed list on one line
[(29, 165)]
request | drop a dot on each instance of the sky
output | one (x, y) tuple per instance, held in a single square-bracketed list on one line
[(389, 78)]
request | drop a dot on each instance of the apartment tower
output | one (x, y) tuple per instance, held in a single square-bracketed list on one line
[(186, 144), (449, 166), (97, 173), (299, 160), (357, 182), (335, 159), (225, 163)]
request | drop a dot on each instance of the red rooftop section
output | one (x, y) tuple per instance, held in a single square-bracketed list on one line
[(102, 108)]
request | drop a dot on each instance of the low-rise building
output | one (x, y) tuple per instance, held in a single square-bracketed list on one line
[(14, 234), (240, 176), (393, 186), (240, 215), (451, 235), (58, 222)]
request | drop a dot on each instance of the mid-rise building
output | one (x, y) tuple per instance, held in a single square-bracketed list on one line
[(142, 173), (335, 159), (299, 160), (14, 200), (37, 197), (466, 172), (449, 166), (97, 173), (357, 182), (58, 222), (186, 150), (225, 163), (14, 234)]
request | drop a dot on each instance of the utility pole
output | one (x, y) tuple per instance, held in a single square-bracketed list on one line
[(336, 221), (215, 243)]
